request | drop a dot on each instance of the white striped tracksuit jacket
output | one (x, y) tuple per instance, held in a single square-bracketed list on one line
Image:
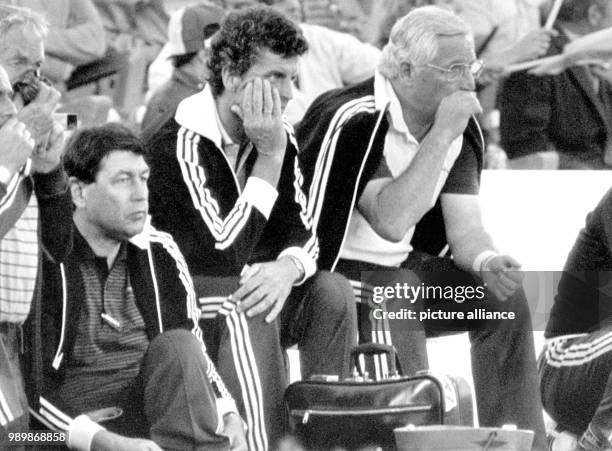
[(221, 226), (165, 298)]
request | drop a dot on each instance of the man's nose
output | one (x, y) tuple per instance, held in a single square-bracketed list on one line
[(140, 190), (468, 82), (285, 89)]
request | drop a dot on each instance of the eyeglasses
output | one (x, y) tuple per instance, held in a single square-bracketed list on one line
[(457, 71)]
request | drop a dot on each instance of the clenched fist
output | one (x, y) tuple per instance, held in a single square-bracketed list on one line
[(16, 144), (454, 113), (37, 115)]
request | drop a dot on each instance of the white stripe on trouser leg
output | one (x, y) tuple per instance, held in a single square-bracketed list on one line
[(5, 412), (381, 335), (248, 376)]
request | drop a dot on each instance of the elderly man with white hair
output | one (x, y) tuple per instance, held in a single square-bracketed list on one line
[(393, 167)]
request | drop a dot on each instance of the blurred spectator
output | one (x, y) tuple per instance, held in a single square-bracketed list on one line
[(134, 24), (189, 27), (594, 46), (561, 121), (34, 199), (76, 35), (384, 14)]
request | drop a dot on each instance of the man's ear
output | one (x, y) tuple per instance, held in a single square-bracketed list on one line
[(406, 71), (77, 191), (231, 82), (595, 15)]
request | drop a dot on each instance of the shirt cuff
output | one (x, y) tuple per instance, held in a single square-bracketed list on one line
[(308, 263), (481, 258), (261, 194), (5, 175), (225, 406), (81, 432)]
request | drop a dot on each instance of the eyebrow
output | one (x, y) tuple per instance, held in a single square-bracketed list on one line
[(131, 173)]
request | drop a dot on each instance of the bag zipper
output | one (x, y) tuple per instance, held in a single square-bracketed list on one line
[(306, 413)]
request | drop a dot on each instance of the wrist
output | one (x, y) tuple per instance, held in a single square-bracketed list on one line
[(275, 154), (482, 260), (300, 271), (6, 174), (82, 431)]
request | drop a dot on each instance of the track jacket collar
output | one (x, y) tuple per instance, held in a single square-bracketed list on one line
[(385, 95), (197, 112)]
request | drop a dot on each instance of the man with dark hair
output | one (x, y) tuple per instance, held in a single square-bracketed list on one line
[(393, 169), (117, 338), (188, 30), (225, 181), (561, 121)]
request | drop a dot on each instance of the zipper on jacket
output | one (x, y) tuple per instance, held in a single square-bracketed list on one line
[(234, 176), (363, 163), (354, 412), (157, 303), (59, 355)]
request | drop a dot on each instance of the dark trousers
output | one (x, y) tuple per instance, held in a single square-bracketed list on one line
[(318, 316), (172, 401), (576, 384), (13, 402), (502, 351)]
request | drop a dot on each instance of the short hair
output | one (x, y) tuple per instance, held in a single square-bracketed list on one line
[(11, 16), (243, 34), (414, 37), (89, 146), (179, 61), (574, 11)]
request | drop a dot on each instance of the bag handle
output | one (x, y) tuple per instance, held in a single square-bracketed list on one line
[(373, 349)]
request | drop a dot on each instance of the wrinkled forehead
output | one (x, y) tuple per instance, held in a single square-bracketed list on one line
[(24, 39)]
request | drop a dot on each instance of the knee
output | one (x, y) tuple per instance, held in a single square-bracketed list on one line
[(176, 344), (334, 293)]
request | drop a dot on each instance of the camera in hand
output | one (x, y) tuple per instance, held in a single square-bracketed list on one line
[(29, 85)]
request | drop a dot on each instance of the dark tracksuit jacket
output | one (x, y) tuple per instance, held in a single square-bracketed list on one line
[(342, 138), (164, 296)]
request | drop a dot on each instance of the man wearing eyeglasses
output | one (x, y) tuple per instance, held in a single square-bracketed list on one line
[(393, 166)]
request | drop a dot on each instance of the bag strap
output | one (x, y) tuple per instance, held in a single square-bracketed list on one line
[(373, 349)]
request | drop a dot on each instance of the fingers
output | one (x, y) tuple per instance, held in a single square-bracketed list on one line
[(261, 303), (257, 100), (277, 110), (47, 97), (248, 272), (276, 309), (268, 100), (260, 99), (247, 100)]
